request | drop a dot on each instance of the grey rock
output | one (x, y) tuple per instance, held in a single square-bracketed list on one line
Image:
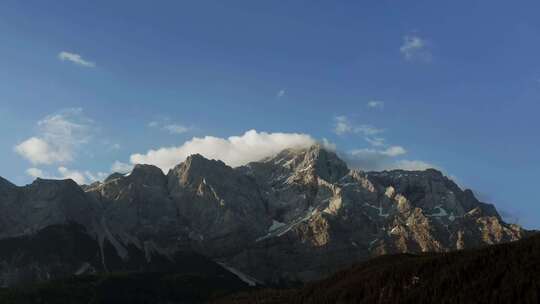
[(299, 215)]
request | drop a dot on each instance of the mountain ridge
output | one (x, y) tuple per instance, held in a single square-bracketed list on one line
[(295, 216)]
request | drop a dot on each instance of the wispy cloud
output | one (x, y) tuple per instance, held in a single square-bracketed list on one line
[(386, 159), (376, 141), (416, 48), (176, 128), (375, 104), (380, 156), (59, 137), (166, 125), (342, 125), (281, 93), (394, 151), (76, 59)]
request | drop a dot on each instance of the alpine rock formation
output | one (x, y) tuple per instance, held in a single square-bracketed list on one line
[(297, 216)]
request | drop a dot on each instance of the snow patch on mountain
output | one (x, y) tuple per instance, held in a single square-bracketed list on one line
[(283, 229), (242, 276)]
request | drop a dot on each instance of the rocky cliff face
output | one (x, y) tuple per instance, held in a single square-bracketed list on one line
[(326, 216), (299, 215), (28, 209)]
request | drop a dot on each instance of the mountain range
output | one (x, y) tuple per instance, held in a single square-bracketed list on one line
[(294, 217)]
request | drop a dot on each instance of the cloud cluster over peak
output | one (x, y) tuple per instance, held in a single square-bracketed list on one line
[(233, 150)]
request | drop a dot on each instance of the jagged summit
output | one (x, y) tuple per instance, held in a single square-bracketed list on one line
[(199, 159), (300, 163), (327, 164), (196, 168)]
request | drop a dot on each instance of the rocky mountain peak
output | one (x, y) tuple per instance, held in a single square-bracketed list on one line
[(144, 169), (327, 164), (196, 168), (197, 162), (315, 160), (148, 174)]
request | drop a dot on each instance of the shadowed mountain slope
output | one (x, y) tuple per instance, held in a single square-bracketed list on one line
[(506, 273)]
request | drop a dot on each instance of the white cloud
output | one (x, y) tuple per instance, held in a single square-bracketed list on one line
[(281, 93), (234, 150), (60, 135), (75, 58), (329, 145), (153, 124), (75, 175), (38, 151), (35, 172), (175, 129), (375, 104), (394, 151), (415, 48), (343, 126), (121, 167)]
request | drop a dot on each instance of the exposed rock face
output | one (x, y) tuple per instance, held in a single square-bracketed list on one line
[(331, 217), (30, 208), (299, 215), (221, 208)]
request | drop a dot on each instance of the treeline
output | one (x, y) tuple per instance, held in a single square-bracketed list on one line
[(506, 273)]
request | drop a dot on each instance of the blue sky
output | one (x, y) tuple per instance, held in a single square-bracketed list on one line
[(392, 84)]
